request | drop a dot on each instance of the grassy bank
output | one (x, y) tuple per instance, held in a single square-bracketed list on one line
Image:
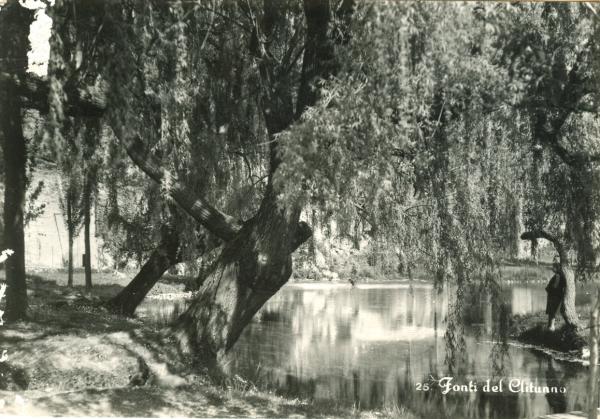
[(532, 329), (74, 359)]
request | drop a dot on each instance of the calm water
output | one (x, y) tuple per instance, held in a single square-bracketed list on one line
[(370, 346)]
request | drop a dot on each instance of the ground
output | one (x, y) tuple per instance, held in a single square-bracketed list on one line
[(531, 329), (72, 358)]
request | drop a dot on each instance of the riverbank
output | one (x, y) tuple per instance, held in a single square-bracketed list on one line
[(75, 359), (532, 329)]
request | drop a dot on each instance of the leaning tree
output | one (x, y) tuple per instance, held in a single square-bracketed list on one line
[(147, 73)]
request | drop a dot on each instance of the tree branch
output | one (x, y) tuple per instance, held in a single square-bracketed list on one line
[(91, 102), (220, 224), (558, 245), (303, 233)]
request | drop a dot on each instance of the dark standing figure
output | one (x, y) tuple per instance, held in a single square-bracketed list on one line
[(556, 293)]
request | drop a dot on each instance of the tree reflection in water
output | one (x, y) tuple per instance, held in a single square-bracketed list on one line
[(369, 346)]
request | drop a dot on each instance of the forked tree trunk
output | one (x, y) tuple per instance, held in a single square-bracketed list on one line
[(161, 259), (255, 261), (14, 44), (250, 269)]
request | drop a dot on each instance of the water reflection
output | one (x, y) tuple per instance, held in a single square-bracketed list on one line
[(370, 346)]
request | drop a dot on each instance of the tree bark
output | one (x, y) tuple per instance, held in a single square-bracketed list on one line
[(14, 44), (570, 311), (161, 259), (250, 269)]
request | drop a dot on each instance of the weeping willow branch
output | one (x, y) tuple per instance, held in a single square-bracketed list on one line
[(220, 224), (91, 102), (542, 234)]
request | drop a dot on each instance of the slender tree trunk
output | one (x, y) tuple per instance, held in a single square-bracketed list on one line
[(515, 228), (592, 407), (356, 235), (161, 259), (87, 204), (70, 233), (14, 44)]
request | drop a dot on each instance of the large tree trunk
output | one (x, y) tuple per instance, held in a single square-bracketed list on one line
[(250, 269), (570, 311), (161, 259), (87, 204), (14, 30)]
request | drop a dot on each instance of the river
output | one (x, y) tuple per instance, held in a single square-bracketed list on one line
[(381, 345)]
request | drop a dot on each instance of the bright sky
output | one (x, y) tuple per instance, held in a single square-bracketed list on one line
[(40, 45), (39, 37)]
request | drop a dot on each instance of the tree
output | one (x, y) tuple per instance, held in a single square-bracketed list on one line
[(90, 180), (422, 124), (557, 77), (256, 258), (14, 44), (70, 205)]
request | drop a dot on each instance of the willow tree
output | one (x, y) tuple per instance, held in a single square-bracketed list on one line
[(217, 125), (291, 47), (552, 65)]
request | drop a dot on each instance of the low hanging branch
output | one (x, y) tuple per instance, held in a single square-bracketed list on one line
[(91, 102), (542, 234), (220, 224)]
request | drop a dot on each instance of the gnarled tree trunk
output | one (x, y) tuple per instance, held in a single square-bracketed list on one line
[(570, 311), (251, 269)]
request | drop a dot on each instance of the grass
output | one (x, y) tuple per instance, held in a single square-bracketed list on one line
[(73, 358)]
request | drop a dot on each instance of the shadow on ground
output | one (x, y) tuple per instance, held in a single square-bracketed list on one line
[(75, 359)]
